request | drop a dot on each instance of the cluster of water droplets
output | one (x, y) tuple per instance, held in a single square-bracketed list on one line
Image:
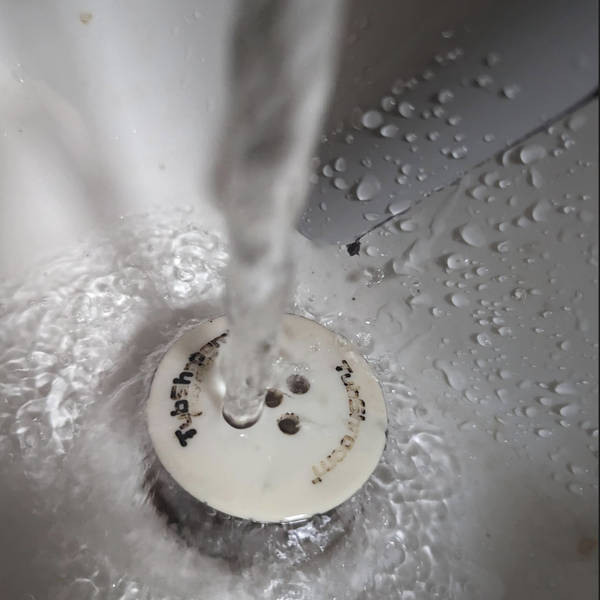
[(503, 271)]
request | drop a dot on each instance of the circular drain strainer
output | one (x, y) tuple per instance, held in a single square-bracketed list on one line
[(321, 433)]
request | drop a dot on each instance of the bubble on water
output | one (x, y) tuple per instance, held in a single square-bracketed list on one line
[(472, 235), (406, 110), (368, 188), (511, 91), (532, 153), (388, 131), (444, 96), (372, 119)]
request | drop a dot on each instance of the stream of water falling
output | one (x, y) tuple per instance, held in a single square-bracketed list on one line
[(282, 62)]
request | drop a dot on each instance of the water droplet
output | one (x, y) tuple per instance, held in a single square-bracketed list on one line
[(453, 376), (372, 119), (565, 388), (432, 136), (459, 300), (569, 410), (372, 216), (479, 192), (483, 339), (455, 262), (340, 183), (368, 188), (388, 131), (444, 96), (340, 164), (492, 59), (388, 103), (371, 251), (472, 235), (406, 110), (484, 80), (535, 178), (407, 225), (576, 122), (543, 433), (489, 137), (410, 137), (459, 152), (511, 91), (399, 207), (503, 247), (575, 488), (454, 120), (540, 210), (327, 171), (438, 111), (532, 153)]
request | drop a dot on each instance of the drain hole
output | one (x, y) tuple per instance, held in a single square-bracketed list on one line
[(273, 398), (289, 423), (298, 384)]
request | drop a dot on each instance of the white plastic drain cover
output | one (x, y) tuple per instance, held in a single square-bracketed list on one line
[(321, 433)]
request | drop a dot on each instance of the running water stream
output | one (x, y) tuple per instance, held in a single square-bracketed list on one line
[(282, 63)]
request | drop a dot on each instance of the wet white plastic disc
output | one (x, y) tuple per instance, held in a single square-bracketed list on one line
[(321, 433)]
